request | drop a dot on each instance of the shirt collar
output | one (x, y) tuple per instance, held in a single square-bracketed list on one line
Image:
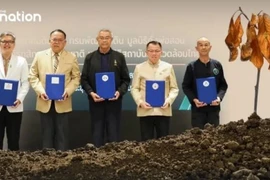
[(151, 64), (59, 54), (205, 63), (7, 59), (105, 53)]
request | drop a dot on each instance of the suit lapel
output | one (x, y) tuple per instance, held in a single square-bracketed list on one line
[(49, 60), (12, 65), (61, 62), (111, 61), (96, 61)]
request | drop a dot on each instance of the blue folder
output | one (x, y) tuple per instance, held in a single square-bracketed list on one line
[(206, 89), (55, 86), (105, 84), (155, 92), (8, 92)]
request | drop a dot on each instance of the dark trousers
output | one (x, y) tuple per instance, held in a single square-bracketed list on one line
[(105, 121), (199, 119), (149, 123), (12, 123), (54, 128)]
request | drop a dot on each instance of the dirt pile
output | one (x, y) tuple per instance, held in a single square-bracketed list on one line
[(237, 150)]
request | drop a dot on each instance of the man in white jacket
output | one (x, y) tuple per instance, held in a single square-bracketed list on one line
[(12, 68)]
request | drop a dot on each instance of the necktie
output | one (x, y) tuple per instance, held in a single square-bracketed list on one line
[(6, 66), (56, 62)]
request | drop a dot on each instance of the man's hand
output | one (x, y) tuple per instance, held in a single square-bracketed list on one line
[(165, 105), (116, 96), (64, 96), (16, 103), (96, 97), (215, 102), (199, 103), (44, 96), (145, 105)]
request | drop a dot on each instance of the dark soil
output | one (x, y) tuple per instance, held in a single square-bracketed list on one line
[(237, 150)]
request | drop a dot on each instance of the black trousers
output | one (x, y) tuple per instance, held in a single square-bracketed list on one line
[(54, 128), (11, 122), (199, 119), (150, 123), (105, 121)]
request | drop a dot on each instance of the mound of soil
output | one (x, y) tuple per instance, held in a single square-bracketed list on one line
[(237, 150)]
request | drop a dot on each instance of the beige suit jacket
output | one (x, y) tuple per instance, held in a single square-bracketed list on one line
[(42, 65), (160, 71)]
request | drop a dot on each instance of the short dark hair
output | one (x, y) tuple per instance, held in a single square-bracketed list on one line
[(58, 30), (154, 43)]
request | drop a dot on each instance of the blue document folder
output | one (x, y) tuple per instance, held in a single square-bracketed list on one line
[(105, 84), (155, 92), (55, 86), (8, 92), (206, 89)]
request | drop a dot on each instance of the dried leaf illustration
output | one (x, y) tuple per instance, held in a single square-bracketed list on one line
[(246, 52), (234, 37), (266, 18), (233, 54), (238, 31), (229, 38), (246, 49), (264, 36), (256, 55), (256, 46)]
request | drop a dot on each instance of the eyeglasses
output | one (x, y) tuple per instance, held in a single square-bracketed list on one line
[(57, 40), (7, 42), (104, 38), (154, 51)]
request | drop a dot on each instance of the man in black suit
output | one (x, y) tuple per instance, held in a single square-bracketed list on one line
[(105, 113)]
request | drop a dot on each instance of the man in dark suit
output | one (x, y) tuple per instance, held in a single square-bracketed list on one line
[(105, 113)]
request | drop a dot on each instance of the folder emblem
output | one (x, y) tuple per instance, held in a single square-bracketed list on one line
[(155, 86), (105, 78), (206, 83)]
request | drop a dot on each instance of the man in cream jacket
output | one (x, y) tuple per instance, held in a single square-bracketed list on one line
[(54, 113), (154, 69)]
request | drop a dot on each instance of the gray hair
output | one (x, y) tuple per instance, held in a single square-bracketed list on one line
[(105, 30), (7, 33)]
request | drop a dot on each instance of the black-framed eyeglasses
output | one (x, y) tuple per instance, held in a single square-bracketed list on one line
[(7, 42)]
